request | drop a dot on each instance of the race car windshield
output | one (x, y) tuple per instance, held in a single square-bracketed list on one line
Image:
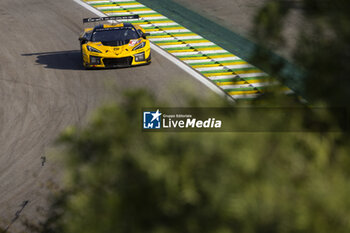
[(114, 34)]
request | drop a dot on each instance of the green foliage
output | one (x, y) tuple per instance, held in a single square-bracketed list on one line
[(269, 23), (322, 49), (120, 179)]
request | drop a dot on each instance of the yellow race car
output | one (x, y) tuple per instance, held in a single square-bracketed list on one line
[(114, 44)]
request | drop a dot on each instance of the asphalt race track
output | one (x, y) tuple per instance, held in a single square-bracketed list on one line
[(44, 88)]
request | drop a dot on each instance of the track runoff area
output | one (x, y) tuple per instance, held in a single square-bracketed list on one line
[(235, 76)]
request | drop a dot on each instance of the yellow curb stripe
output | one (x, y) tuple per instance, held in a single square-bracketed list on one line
[(194, 50), (153, 22), (235, 72), (182, 42), (221, 64), (207, 57), (243, 92), (242, 82), (127, 11), (172, 36), (163, 29)]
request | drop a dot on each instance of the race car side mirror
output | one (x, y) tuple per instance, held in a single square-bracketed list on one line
[(85, 38), (82, 40), (144, 35)]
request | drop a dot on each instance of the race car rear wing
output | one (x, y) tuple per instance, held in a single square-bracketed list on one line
[(93, 20)]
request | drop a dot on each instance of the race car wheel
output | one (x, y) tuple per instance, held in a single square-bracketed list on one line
[(81, 53), (149, 59), (82, 58)]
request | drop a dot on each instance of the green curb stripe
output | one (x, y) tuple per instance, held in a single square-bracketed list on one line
[(111, 3), (201, 55), (128, 9), (228, 70), (168, 34), (146, 21), (238, 79), (194, 56), (124, 9), (242, 89), (190, 48), (163, 27), (172, 41), (224, 80), (137, 21), (241, 79), (156, 20), (247, 89), (228, 80), (164, 41), (141, 15), (214, 62)]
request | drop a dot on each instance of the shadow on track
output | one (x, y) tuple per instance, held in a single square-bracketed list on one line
[(64, 60)]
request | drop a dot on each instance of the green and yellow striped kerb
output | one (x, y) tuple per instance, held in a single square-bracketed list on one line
[(232, 74)]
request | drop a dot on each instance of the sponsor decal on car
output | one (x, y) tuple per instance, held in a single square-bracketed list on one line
[(134, 42)]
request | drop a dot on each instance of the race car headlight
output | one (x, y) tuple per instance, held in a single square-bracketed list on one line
[(139, 57), (95, 60), (92, 49), (139, 46)]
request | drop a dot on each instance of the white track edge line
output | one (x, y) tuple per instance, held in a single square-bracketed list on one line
[(90, 8), (171, 58)]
